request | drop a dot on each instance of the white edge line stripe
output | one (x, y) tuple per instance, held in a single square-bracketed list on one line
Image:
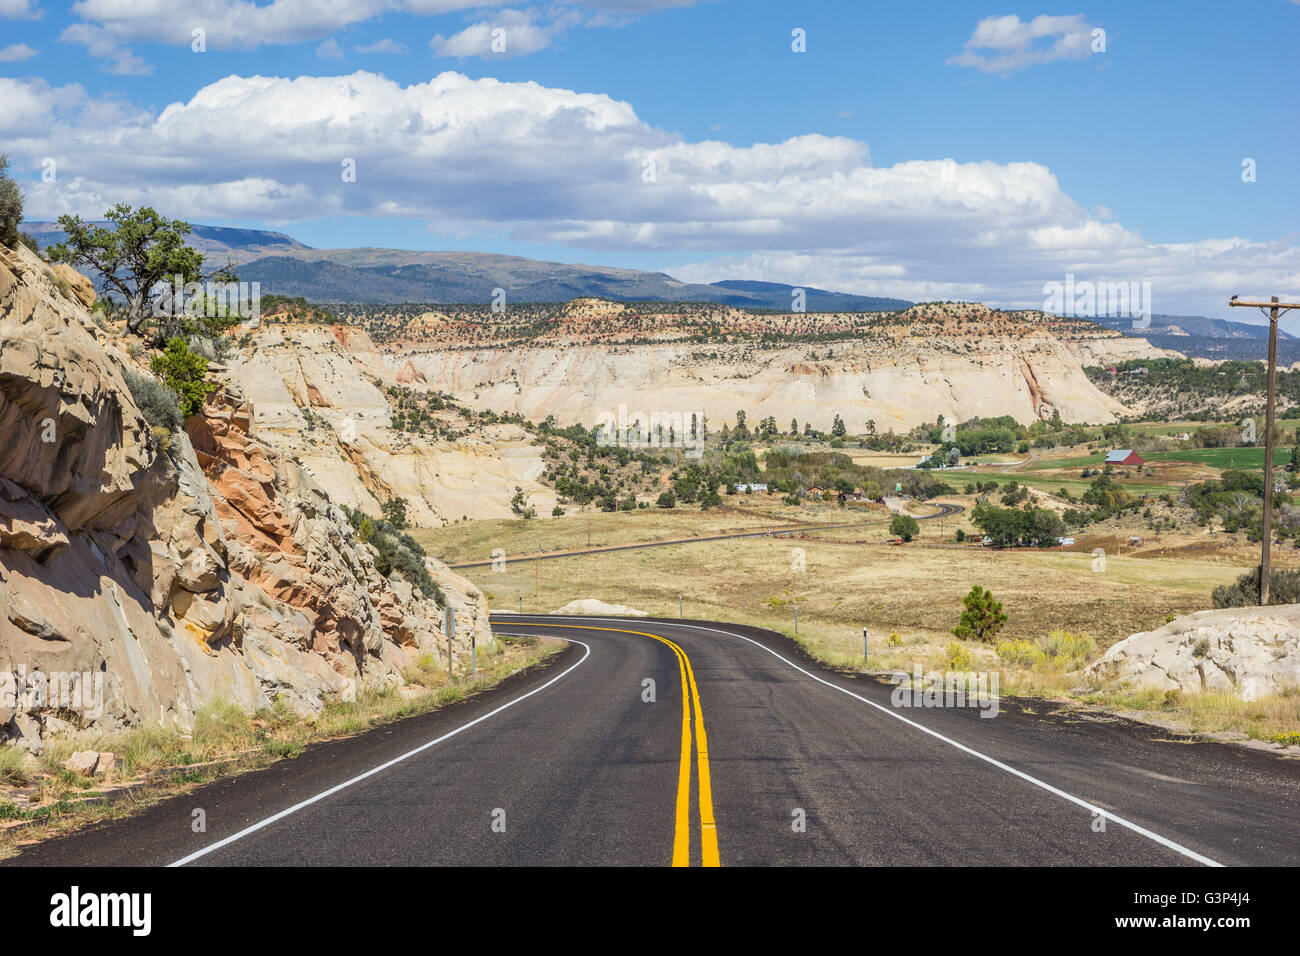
[(383, 766), (1156, 837)]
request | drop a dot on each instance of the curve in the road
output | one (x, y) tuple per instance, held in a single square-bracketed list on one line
[(1097, 811), (708, 826), (592, 772)]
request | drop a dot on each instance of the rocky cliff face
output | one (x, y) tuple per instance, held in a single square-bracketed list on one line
[(319, 392), (900, 387), (153, 572), (582, 361)]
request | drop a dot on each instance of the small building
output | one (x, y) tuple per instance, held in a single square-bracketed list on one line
[(1123, 456), (745, 489)]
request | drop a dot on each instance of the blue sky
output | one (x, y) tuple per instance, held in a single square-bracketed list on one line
[(1122, 164)]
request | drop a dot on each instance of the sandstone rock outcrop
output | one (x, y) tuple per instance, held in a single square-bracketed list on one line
[(318, 394), (1249, 652), (597, 607), (582, 360), (144, 574), (899, 388)]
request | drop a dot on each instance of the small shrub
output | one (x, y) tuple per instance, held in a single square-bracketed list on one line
[(957, 656), (13, 766), (1066, 647), (396, 551), (155, 400), (1283, 588), (1019, 653), (894, 640), (183, 372), (982, 618)]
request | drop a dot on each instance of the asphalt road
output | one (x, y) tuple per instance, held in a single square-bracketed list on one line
[(747, 755)]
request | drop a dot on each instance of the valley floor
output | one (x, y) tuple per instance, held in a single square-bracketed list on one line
[(839, 581)]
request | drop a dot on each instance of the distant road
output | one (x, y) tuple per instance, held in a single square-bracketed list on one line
[(659, 742), (945, 511)]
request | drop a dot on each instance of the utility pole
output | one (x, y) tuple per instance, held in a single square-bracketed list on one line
[(1275, 309)]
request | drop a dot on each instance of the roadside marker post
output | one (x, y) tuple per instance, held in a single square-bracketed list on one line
[(796, 618), (449, 625), (679, 606), (864, 645)]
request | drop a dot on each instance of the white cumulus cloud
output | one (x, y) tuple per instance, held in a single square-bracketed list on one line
[(539, 164), (20, 10), (386, 45), (108, 27), (508, 33), (329, 50), (1007, 43), (16, 53)]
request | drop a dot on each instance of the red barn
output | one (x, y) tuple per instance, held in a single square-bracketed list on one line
[(1123, 456)]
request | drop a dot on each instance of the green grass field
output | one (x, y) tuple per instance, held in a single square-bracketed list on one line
[(1225, 458), (1077, 486), (1077, 461), (1177, 428)]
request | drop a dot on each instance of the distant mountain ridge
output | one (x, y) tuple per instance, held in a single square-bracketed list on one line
[(379, 276), (217, 243), (1197, 336), (1192, 325)]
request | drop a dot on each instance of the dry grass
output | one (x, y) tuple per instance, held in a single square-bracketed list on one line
[(476, 540), (845, 586), (909, 598)]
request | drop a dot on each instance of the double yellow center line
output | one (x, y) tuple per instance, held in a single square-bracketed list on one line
[(690, 698)]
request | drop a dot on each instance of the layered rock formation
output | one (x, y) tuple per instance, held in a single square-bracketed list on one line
[(165, 570), (898, 389), (588, 359), (318, 392)]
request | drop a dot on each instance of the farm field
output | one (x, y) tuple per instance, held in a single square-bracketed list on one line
[(1222, 458), (476, 540), (840, 586)]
